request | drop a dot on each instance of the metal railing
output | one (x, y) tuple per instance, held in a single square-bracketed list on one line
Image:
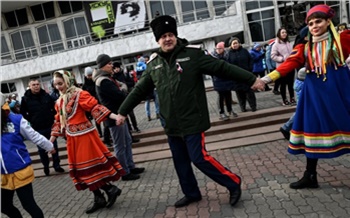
[(91, 38)]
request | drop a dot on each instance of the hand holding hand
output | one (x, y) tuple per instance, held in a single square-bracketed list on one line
[(120, 119), (52, 139), (258, 85), (53, 151)]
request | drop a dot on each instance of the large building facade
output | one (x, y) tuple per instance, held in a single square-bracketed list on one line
[(39, 37)]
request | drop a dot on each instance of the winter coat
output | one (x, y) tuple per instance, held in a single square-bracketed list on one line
[(219, 83), (241, 58), (108, 93), (280, 51), (90, 87), (180, 87), (14, 153), (38, 109), (271, 64), (258, 57)]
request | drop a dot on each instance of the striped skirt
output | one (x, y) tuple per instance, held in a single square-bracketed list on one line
[(91, 164), (321, 127)]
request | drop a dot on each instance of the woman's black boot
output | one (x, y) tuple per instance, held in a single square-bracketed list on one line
[(309, 180), (99, 202)]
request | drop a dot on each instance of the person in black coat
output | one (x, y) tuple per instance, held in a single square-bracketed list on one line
[(90, 86), (240, 57), (38, 108), (223, 86)]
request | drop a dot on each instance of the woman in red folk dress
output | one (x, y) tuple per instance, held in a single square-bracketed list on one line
[(91, 164), (321, 125)]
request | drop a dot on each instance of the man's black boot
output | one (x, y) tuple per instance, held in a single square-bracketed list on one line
[(99, 202), (235, 195), (112, 195), (309, 180), (186, 201)]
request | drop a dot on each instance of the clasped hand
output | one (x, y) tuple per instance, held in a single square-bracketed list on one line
[(258, 85)]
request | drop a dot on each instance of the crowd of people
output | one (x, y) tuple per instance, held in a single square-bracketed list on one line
[(173, 75)]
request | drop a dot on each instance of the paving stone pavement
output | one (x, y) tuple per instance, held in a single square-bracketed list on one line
[(266, 170)]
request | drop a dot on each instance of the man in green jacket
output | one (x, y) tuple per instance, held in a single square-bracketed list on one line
[(176, 70)]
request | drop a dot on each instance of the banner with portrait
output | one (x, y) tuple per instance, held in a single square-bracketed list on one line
[(130, 15)]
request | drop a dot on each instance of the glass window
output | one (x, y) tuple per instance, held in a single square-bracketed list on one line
[(5, 52), (251, 5), (201, 9), (169, 8), (16, 18), (189, 7), (163, 7), (267, 14), (43, 11), (23, 45), (8, 87), (49, 39), (68, 7), (76, 32), (261, 23), (221, 6), (22, 17), (256, 31), (187, 10)]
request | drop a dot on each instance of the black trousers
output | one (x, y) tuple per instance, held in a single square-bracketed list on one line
[(244, 96), (225, 96), (44, 157), (287, 81), (26, 197)]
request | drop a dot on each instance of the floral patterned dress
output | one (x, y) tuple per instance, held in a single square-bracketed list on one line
[(91, 164)]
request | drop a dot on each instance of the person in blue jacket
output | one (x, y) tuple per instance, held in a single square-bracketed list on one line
[(258, 56), (17, 173)]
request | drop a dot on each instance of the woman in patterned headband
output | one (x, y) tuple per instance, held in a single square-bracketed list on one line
[(91, 164), (321, 128)]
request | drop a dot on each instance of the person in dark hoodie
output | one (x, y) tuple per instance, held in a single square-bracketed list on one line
[(38, 108), (111, 96)]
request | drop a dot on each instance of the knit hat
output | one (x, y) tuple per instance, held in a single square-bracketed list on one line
[(88, 71), (116, 65), (233, 39), (321, 8), (163, 24), (102, 60), (256, 45), (302, 74), (141, 59), (220, 45)]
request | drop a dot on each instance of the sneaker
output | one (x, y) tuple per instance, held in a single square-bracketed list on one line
[(223, 116), (293, 102), (149, 118), (130, 177), (286, 103), (233, 114)]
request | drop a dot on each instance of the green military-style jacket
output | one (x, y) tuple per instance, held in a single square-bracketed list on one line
[(180, 87)]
